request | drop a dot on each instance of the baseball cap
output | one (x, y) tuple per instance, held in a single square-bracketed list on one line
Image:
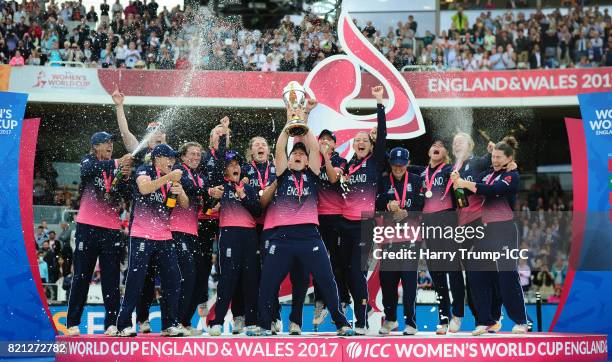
[(399, 156), (101, 137), (299, 146), (231, 155), (163, 150), (328, 133)]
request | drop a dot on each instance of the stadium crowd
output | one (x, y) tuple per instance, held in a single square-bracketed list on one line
[(143, 36)]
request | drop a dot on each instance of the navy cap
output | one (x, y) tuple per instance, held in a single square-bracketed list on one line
[(399, 156), (329, 133), (163, 150), (231, 155), (299, 146), (101, 137)]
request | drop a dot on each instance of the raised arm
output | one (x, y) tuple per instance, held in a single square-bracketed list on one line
[(268, 194), (280, 153), (381, 137), (312, 145), (129, 140), (147, 186)]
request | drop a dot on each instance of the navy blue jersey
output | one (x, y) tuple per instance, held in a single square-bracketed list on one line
[(255, 171), (287, 206), (363, 174), (97, 208), (438, 201), (387, 192), (330, 200), (238, 212), (150, 215), (186, 220), (212, 166), (499, 190), (469, 171)]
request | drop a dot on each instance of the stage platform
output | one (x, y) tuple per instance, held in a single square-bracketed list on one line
[(326, 347)]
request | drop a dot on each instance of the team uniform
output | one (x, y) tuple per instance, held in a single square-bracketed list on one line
[(151, 243), (238, 247), (471, 216), (97, 235), (330, 205), (184, 227), (292, 222), (498, 188), (363, 176), (407, 192), (438, 211)]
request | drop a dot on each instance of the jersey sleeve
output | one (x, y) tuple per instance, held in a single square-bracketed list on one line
[(506, 185), (251, 201), (90, 166), (381, 137)]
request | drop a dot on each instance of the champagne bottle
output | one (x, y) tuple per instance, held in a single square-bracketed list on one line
[(171, 199), (118, 176), (461, 198)]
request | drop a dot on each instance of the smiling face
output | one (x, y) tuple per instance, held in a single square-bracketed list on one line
[(192, 157), (398, 171), (260, 149), (104, 151), (232, 171), (437, 152), (362, 145), (164, 164), (462, 147), (298, 160), (499, 159)]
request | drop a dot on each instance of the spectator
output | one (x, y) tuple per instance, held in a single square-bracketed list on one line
[(42, 267), (424, 280), (17, 60), (288, 63), (496, 62), (269, 65), (460, 21), (92, 16), (509, 58), (132, 56), (41, 235), (544, 280), (559, 270), (535, 58), (65, 233), (104, 12), (555, 298)]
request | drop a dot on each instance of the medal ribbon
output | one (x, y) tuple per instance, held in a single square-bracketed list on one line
[(163, 187), (397, 198), (428, 181), (262, 182), (354, 169), (107, 181), (196, 181), (299, 186)]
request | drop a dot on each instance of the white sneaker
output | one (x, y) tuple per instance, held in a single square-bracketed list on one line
[(455, 324), (174, 331), (361, 331), (486, 329), (254, 331), (520, 329), (193, 331), (215, 330), (295, 329), (387, 327), (345, 331), (442, 329), (126, 332), (320, 312), (250, 330), (144, 327), (184, 332), (410, 331), (238, 325), (111, 331), (277, 326), (73, 331)]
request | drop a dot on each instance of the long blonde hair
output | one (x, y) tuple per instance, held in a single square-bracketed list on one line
[(469, 139)]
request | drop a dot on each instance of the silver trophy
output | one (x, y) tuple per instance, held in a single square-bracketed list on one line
[(294, 97)]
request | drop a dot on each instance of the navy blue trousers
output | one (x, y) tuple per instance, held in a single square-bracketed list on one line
[(329, 227), (94, 242), (391, 272), (163, 254), (238, 272), (444, 272), (352, 250), (501, 277), (186, 246), (288, 246)]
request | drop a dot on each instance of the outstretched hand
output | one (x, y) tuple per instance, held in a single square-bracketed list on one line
[(117, 96), (378, 92)]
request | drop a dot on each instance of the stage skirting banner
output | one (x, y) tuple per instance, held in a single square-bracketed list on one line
[(259, 89)]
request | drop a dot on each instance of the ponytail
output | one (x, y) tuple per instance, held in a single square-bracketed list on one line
[(508, 146)]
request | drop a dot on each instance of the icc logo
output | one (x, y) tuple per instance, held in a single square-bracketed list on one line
[(354, 350)]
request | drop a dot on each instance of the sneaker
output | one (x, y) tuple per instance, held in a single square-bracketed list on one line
[(520, 329), (442, 329), (387, 327), (295, 329), (486, 329), (215, 330), (320, 312), (126, 332), (111, 331), (410, 331), (254, 331), (249, 330), (455, 324), (361, 331), (277, 327), (144, 327), (184, 332), (345, 331), (193, 331), (238, 325), (174, 331), (73, 331)]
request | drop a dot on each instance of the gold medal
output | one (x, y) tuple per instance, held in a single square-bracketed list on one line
[(260, 193), (428, 194)]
